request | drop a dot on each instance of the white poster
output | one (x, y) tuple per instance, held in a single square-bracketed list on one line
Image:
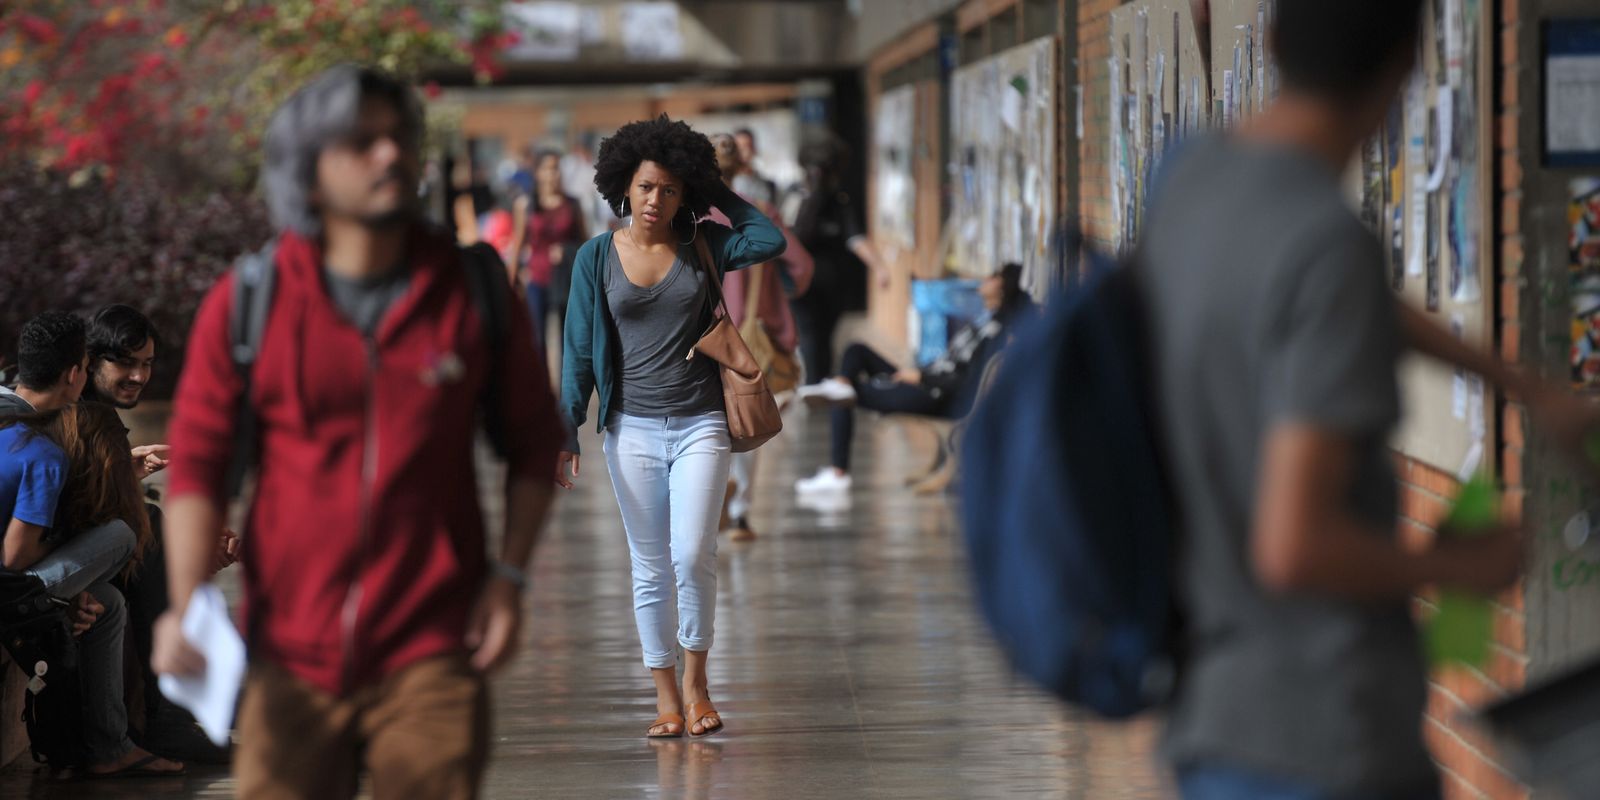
[(546, 31), (651, 32), (1572, 118), (895, 191)]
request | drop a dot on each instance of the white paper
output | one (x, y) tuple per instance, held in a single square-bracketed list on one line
[(592, 26), (1259, 73), (1011, 108), (1447, 121), (1227, 98), (211, 696), (546, 31), (1572, 114), (651, 32), (1469, 464), (1477, 424), (1416, 174), (1458, 396), (1078, 90)]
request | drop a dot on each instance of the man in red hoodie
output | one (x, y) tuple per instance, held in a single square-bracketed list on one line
[(371, 610)]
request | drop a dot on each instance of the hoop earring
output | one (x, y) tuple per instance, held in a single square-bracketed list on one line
[(692, 233), (626, 212)]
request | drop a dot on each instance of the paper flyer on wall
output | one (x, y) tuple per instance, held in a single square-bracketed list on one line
[(545, 31), (651, 31), (1583, 270)]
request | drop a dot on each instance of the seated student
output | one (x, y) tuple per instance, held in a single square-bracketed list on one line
[(868, 380), (77, 457), (123, 346)]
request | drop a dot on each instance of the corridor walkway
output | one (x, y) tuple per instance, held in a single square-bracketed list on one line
[(848, 663)]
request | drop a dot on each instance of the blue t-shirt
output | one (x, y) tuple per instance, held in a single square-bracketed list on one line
[(32, 471)]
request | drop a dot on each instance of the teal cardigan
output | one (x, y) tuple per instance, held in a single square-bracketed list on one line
[(588, 359)]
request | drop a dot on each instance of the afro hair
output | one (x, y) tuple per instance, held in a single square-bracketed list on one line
[(680, 150)]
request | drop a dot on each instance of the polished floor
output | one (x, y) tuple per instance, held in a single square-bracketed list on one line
[(848, 663)]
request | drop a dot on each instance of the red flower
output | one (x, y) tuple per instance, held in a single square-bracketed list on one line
[(39, 29), (431, 90), (34, 91), (80, 149)]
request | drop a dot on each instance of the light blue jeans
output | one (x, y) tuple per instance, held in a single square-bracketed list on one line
[(86, 563), (670, 475)]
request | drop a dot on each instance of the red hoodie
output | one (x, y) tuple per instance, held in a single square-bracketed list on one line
[(365, 545)]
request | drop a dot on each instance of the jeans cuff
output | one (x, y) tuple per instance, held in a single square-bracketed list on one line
[(661, 661), (105, 757), (700, 645)]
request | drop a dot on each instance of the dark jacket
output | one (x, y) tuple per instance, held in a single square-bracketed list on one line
[(588, 364), (12, 405)]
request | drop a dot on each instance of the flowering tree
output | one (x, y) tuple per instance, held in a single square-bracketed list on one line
[(129, 135), (114, 83)]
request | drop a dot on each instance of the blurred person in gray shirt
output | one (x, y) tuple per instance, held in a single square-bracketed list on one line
[(1275, 341)]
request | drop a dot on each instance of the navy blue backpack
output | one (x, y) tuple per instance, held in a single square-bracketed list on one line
[(1068, 517)]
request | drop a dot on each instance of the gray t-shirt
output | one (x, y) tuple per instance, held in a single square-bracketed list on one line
[(1268, 304), (657, 327), (364, 301)]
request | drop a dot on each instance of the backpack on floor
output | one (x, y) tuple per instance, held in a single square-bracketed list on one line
[(39, 639), (1067, 515), (254, 279)]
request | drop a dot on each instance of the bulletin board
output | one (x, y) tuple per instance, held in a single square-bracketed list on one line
[(1425, 183), (1003, 162), (894, 195), (1160, 94)]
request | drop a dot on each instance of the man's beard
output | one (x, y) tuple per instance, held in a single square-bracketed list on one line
[(109, 397), (398, 217)]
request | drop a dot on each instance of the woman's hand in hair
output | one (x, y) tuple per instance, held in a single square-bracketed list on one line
[(564, 463)]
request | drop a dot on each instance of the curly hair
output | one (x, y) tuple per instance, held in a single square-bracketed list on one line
[(678, 148)]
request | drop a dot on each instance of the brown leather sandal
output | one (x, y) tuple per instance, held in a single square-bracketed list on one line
[(668, 718), (703, 714)]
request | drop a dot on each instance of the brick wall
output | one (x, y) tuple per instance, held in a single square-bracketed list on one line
[(1472, 769), (1094, 182)]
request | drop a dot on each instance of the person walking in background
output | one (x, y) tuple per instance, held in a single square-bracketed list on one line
[(748, 181), (641, 299), (372, 611), (1275, 340), (829, 225), (549, 229), (946, 389), (794, 270)]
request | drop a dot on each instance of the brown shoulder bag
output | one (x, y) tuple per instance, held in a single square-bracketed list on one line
[(752, 412)]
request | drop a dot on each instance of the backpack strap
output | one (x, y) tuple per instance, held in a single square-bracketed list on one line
[(486, 282), (254, 278)]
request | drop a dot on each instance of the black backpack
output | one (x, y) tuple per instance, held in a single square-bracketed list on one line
[(37, 635), (254, 277)]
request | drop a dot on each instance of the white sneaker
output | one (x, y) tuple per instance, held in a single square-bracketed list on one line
[(825, 481), (827, 393)]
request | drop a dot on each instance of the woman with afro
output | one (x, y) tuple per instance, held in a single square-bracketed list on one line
[(640, 299)]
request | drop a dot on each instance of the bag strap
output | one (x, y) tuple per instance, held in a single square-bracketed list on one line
[(486, 283), (752, 290), (255, 277), (703, 253)]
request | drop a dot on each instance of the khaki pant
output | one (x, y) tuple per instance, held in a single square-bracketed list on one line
[(422, 732)]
